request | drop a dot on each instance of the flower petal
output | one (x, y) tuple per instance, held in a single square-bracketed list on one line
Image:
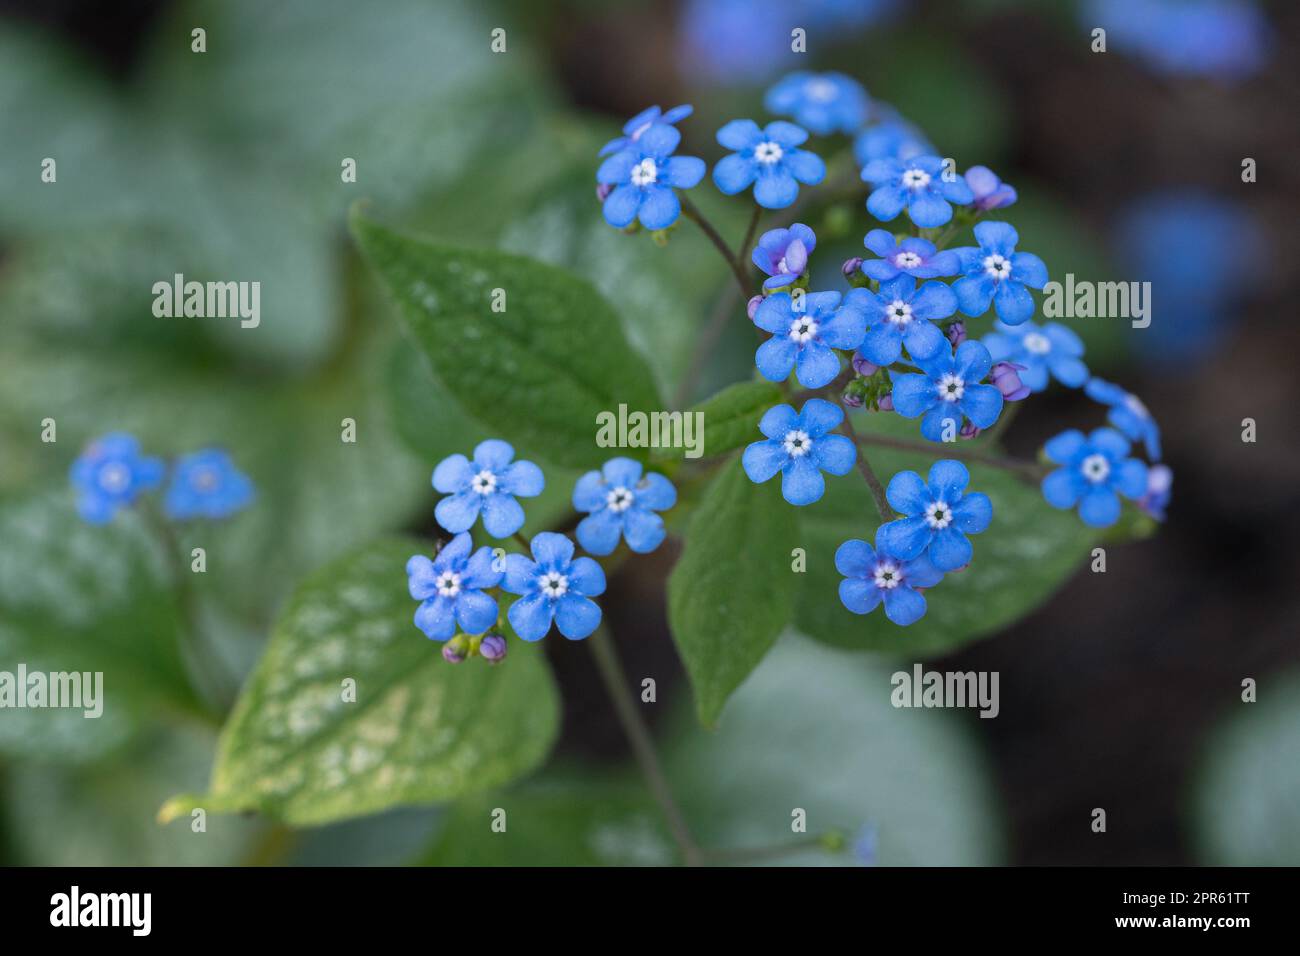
[(476, 612), (801, 482), (643, 530), (453, 474), (598, 533), (763, 459), (859, 596), (586, 577), (904, 606), (436, 618), (458, 512), (576, 616), (732, 174), (502, 515), (905, 538), (950, 550), (855, 558), (551, 550), (835, 454), (531, 616), (973, 513)]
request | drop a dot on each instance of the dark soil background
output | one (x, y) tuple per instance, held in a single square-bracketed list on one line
[(1108, 691)]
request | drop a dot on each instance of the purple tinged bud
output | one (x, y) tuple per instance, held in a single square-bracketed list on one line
[(753, 305), (968, 431), (603, 190), (956, 333), (852, 399), (1004, 375), (886, 403), (863, 367), (493, 648), (453, 652), (851, 266)]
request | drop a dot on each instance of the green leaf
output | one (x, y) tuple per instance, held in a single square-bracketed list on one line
[(557, 821), (732, 591), (86, 598), (420, 731), (538, 372), (731, 416), (1026, 554), (814, 728)]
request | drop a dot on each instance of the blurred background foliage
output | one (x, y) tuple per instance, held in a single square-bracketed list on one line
[(226, 166)]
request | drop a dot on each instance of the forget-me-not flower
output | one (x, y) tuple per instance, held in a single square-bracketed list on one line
[(556, 587), (824, 103), (874, 575), (892, 138), (917, 185), (489, 485), (639, 124), (937, 515), (450, 589), (948, 388), (645, 176), (901, 314), (110, 474), (804, 339), (620, 502), (1053, 349), (800, 446), (1127, 413), (917, 258), (995, 273), (769, 159), (1095, 470), (782, 254), (990, 192), (206, 484)]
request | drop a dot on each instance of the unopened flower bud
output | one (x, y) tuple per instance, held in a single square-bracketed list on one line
[(886, 403), (493, 648), (753, 305), (1005, 377), (455, 650), (968, 431), (851, 266), (603, 190), (956, 333), (863, 367), (852, 399)]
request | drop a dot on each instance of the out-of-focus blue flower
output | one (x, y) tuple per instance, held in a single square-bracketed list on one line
[(1160, 483), (489, 484), (769, 159), (823, 103), (1200, 253), (800, 446), (206, 484), (874, 575), (110, 474), (995, 273), (1095, 470), (948, 389), (901, 314), (556, 587), (1052, 349), (990, 191), (937, 516), (644, 176), (1127, 413), (891, 138), (866, 843), (620, 502), (804, 340), (450, 589), (916, 257), (639, 124), (915, 184), (782, 254), (1226, 39)]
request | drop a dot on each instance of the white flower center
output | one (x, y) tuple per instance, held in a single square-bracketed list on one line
[(1134, 405), (888, 576), (1037, 343), (768, 153), (796, 443), (484, 482), (1095, 468), (907, 260), (801, 330), (916, 179), (951, 387), (938, 515), (448, 584), (997, 266), (645, 172), (618, 499), (204, 479), (114, 477), (553, 584), (899, 312), (820, 90)]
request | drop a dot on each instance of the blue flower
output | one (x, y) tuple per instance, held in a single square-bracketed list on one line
[(915, 257), (996, 273), (937, 516), (873, 575), (206, 484), (900, 315), (555, 587), (768, 159), (803, 340), (782, 254), (990, 191), (915, 184), (892, 138), (621, 502), (800, 448), (450, 589), (1225, 39), (1094, 469), (824, 103), (1038, 351), (634, 128), (489, 485), (1160, 482), (1127, 413), (644, 175), (110, 474), (949, 389)]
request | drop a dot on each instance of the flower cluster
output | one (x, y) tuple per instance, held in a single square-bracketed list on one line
[(111, 474), (458, 590)]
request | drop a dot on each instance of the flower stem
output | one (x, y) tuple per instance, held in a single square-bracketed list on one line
[(691, 212), (742, 254), (864, 466), (638, 735)]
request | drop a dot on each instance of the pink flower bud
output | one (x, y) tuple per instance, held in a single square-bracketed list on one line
[(956, 333), (863, 367), (852, 399), (851, 266), (1004, 375), (603, 190), (886, 403), (968, 431), (753, 305)]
